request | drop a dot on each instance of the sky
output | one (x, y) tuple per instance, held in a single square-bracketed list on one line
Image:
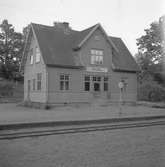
[(121, 18)]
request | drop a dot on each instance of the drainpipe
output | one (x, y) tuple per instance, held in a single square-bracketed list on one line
[(46, 87)]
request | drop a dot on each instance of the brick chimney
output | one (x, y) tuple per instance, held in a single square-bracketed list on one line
[(63, 25)]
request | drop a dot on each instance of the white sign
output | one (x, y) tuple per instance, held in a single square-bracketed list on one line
[(96, 69), (121, 85)]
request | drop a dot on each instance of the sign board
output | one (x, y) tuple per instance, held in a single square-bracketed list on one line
[(96, 69), (121, 85)]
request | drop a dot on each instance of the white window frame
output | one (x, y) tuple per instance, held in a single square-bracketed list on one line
[(31, 56), (98, 60), (38, 55), (64, 82), (96, 56)]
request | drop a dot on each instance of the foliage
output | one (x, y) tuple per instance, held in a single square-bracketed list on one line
[(11, 48), (151, 91), (6, 89), (151, 44), (151, 52)]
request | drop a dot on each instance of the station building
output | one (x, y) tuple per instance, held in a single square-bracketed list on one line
[(62, 65)]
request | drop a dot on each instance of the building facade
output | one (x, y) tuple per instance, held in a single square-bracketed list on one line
[(62, 65)]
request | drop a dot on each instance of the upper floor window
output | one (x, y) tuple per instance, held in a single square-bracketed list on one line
[(97, 52), (38, 55), (31, 56), (96, 56), (64, 82)]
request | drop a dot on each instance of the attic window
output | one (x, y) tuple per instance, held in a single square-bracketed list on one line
[(38, 55), (31, 56)]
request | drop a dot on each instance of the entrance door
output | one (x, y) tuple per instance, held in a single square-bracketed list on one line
[(96, 87)]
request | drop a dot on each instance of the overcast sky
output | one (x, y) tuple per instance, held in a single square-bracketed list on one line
[(122, 18)]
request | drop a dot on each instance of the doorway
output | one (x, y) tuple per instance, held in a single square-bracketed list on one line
[(96, 86)]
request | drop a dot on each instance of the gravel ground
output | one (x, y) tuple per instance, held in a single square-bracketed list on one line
[(10, 113), (137, 147)]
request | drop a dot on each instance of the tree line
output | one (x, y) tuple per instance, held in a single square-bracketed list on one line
[(11, 50)]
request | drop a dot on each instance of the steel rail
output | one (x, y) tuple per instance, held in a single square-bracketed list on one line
[(81, 129)]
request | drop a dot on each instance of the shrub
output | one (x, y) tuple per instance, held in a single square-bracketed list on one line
[(6, 89), (151, 92)]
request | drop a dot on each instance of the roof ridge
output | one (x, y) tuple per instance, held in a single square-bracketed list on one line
[(115, 37), (41, 25), (91, 27)]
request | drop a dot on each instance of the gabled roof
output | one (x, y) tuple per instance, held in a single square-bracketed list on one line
[(59, 48), (123, 61), (56, 46)]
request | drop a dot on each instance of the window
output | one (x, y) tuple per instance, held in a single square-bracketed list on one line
[(64, 82), (96, 56), (97, 52), (105, 83), (96, 83), (95, 78), (125, 82), (39, 78), (34, 84), (31, 56), (38, 55), (87, 83)]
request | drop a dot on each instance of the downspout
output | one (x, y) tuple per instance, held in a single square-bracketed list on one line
[(47, 87)]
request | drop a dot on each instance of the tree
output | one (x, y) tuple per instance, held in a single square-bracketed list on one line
[(11, 48), (151, 51), (151, 44)]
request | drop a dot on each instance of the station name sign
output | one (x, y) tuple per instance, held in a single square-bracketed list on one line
[(96, 69)]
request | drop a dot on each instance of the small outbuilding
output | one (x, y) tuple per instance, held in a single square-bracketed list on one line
[(62, 65)]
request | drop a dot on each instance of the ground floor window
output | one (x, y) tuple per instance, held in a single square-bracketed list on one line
[(39, 78), (87, 83), (105, 83), (125, 82), (96, 83), (64, 82)]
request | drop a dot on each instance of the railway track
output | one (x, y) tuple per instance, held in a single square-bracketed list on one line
[(9, 135)]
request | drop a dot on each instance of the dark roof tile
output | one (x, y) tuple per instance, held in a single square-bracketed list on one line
[(58, 48), (123, 61)]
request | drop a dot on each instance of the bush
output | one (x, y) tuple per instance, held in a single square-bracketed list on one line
[(151, 92), (6, 89)]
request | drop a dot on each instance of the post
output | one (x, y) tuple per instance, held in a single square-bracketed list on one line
[(120, 85)]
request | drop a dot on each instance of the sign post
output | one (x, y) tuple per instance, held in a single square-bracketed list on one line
[(121, 86)]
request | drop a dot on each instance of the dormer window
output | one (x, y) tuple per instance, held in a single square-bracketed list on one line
[(96, 56), (31, 56), (38, 55)]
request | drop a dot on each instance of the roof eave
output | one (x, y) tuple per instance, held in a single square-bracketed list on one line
[(125, 70), (65, 66), (22, 64)]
